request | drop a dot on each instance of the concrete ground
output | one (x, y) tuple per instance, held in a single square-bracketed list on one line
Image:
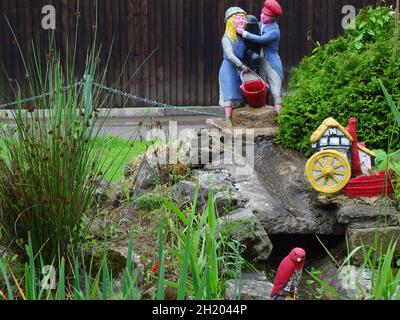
[(136, 123)]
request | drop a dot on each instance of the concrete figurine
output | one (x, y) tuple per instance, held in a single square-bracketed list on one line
[(234, 47), (271, 65), (342, 163), (288, 276)]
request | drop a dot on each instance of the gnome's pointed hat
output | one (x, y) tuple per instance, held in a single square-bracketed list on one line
[(272, 8)]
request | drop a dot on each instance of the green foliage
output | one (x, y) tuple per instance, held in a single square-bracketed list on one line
[(74, 281), (371, 24), (341, 80), (150, 201), (201, 252), (386, 161), (381, 264)]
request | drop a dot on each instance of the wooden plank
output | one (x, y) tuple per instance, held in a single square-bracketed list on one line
[(87, 25), (153, 46), (201, 52), (173, 52), (160, 33), (145, 47), (164, 8), (109, 42), (187, 53), (180, 52), (124, 49), (207, 53)]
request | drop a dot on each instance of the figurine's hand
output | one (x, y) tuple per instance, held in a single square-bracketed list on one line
[(240, 31), (245, 69)]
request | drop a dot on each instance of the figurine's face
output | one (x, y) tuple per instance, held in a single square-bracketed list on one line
[(240, 21), (265, 19)]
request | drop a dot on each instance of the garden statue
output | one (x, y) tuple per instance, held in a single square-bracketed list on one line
[(253, 49), (234, 48), (288, 276), (271, 64)]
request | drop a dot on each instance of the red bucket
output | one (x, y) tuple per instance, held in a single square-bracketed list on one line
[(255, 92)]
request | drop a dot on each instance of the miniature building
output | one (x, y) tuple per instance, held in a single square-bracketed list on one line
[(332, 135), (367, 159)]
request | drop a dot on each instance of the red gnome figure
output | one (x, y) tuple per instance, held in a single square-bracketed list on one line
[(288, 276)]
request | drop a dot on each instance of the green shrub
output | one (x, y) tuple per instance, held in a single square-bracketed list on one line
[(341, 80)]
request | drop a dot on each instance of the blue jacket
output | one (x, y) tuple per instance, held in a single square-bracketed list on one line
[(269, 39)]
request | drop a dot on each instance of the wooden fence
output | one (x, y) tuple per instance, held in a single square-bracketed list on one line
[(186, 34)]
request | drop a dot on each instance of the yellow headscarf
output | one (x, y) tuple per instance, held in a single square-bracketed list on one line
[(231, 27)]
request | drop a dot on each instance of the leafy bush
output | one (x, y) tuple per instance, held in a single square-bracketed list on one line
[(341, 80)]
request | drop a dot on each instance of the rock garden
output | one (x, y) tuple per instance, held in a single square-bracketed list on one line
[(218, 212)]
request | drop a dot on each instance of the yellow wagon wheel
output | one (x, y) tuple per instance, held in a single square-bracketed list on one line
[(328, 171)]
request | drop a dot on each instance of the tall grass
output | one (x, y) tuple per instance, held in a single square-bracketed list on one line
[(71, 280), (53, 162), (202, 253)]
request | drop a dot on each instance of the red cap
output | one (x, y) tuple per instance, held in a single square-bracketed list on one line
[(272, 8)]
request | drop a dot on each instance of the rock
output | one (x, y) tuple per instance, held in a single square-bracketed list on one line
[(254, 118), (250, 290), (366, 236), (127, 213), (226, 201), (156, 165), (280, 197), (119, 199), (216, 181), (132, 167), (354, 213), (256, 124), (96, 228), (183, 193), (147, 177), (349, 282), (101, 193), (243, 226), (117, 256)]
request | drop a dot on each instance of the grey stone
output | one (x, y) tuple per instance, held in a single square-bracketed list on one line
[(349, 282), (280, 196), (226, 201), (118, 255), (249, 290), (101, 193), (367, 236), (254, 118), (148, 176), (127, 213), (279, 219), (352, 213), (216, 181), (243, 226), (184, 191)]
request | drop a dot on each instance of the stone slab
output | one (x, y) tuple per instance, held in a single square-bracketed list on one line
[(366, 236)]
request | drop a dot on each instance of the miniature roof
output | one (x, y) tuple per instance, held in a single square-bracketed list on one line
[(366, 150), (329, 123)]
